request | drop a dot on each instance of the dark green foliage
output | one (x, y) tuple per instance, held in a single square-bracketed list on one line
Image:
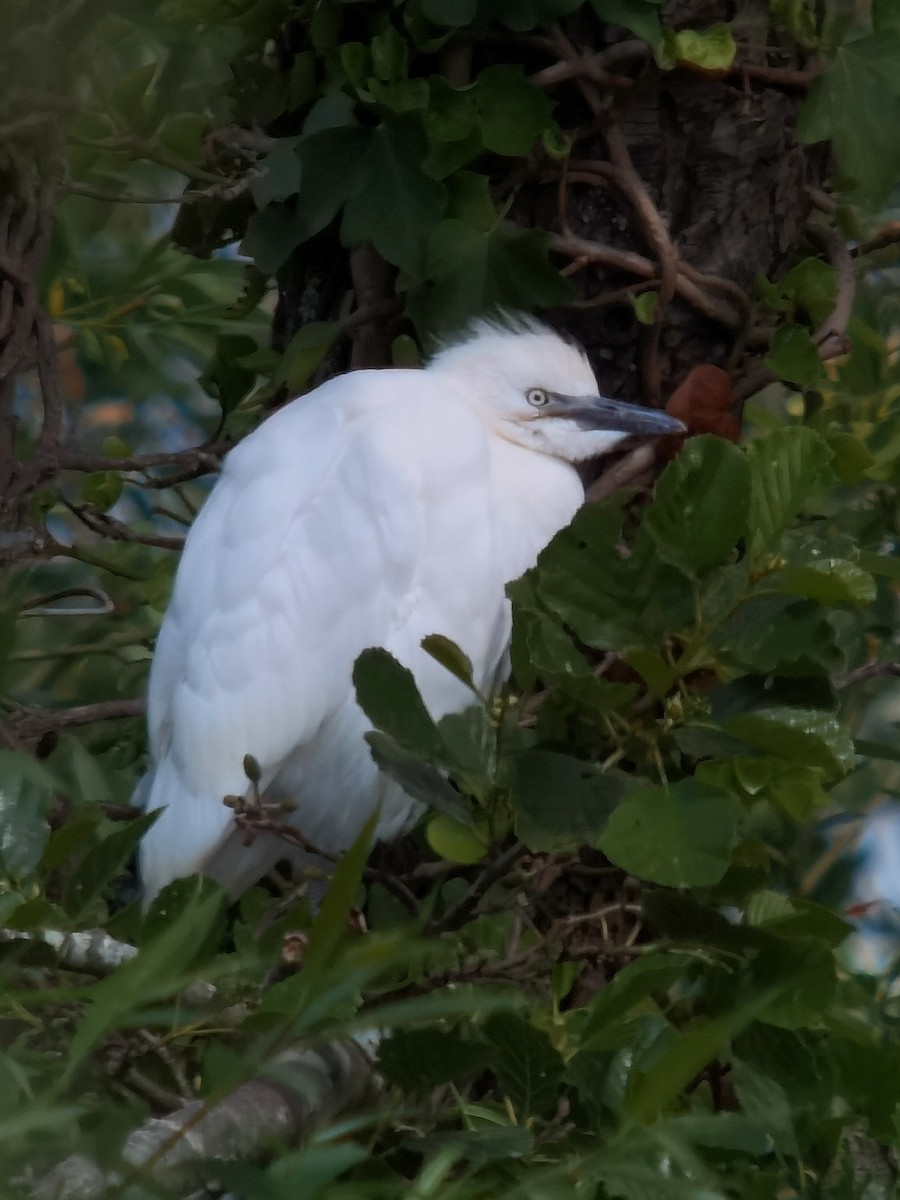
[(655, 994)]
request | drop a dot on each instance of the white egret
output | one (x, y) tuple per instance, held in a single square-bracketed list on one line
[(382, 507)]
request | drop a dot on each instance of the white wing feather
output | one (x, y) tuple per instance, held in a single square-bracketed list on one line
[(309, 549)]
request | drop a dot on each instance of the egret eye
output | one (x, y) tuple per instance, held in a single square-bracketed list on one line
[(537, 397)]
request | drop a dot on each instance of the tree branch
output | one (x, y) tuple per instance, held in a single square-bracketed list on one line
[(312, 1087), (28, 723)]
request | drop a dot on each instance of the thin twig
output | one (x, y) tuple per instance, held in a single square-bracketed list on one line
[(637, 264), (30, 723), (871, 670), (628, 470), (458, 915)]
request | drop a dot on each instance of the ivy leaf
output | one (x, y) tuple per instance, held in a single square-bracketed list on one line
[(472, 271), (699, 511), (450, 115), (812, 284), (680, 836), (856, 103), (392, 203), (511, 112), (330, 163), (279, 173), (794, 357)]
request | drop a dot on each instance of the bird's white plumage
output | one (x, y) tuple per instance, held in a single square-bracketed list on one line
[(384, 506)]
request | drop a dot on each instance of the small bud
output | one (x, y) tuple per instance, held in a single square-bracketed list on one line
[(252, 769), (293, 948)]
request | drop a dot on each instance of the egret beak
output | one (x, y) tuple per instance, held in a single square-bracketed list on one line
[(597, 412)]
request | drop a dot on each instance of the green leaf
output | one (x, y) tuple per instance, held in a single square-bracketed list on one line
[(419, 1059), (330, 926), (699, 511), (387, 694), (225, 378), (798, 791), (103, 863), (26, 792), (829, 581), (630, 989), (713, 49), (449, 655), (885, 14), (680, 836), (401, 95), (450, 114), (158, 970), (779, 634), (473, 271), (271, 236), (330, 160), (813, 286), (304, 354), (450, 12), (420, 780), (530, 1070), (885, 566), (807, 736), (279, 173), (678, 1065), (391, 202), (889, 751), (645, 306), (511, 112), (454, 841), (470, 200), (786, 467), (183, 132), (306, 1171), (765, 1102), (389, 54), (794, 357), (640, 16), (102, 489), (856, 104), (562, 802), (129, 92), (852, 458)]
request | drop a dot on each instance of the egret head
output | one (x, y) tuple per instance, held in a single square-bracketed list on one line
[(534, 388)]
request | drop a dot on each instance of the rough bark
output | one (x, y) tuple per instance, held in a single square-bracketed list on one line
[(717, 160)]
